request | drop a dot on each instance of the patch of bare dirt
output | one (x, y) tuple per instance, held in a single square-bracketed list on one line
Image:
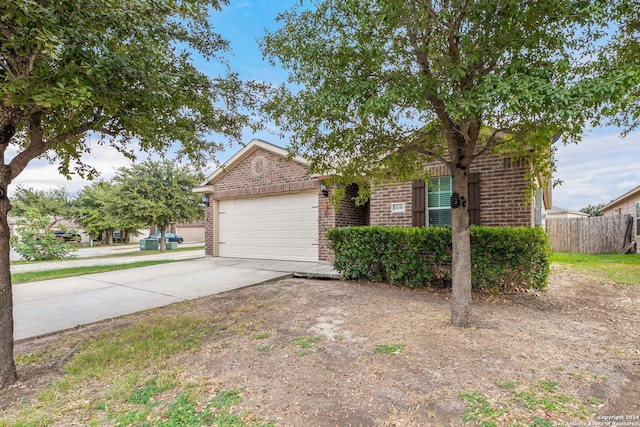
[(304, 351)]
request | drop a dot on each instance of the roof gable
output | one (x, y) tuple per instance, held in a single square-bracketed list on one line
[(252, 146)]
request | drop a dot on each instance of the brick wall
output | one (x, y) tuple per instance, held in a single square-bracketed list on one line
[(503, 192), (260, 173), (347, 214), (263, 172), (208, 230), (503, 198), (383, 197)]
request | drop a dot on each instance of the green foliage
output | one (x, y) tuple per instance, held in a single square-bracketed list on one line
[(79, 74), (35, 241), (143, 395), (121, 69), (593, 210), (157, 193), (620, 63), (185, 410), (506, 257), (402, 83), (617, 268), (523, 401), (389, 348), (33, 276), (95, 209), (480, 409), (407, 81), (138, 347), (501, 257), (55, 204), (306, 342)]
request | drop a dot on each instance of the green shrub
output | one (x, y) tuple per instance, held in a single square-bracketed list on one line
[(501, 257), (35, 241)]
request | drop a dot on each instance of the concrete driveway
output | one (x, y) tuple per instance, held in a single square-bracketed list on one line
[(50, 306)]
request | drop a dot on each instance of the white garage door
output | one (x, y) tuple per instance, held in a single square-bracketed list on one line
[(271, 227)]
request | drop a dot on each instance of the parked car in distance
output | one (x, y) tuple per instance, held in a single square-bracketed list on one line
[(168, 237), (67, 235)]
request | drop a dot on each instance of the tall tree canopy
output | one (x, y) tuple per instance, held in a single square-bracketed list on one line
[(54, 204), (623, 53), (94, 210), (386, 85), (118, 72), (157, 193), (593, 210)]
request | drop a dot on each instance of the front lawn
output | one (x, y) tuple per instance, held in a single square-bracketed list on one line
[(617, 268)]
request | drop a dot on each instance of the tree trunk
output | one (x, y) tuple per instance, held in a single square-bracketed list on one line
[(461, 255), (8, 374), (163, 245)]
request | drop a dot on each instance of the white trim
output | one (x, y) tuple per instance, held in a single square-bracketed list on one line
[(428, 209)]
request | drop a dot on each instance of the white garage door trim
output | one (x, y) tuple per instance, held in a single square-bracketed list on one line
[(283, 226)]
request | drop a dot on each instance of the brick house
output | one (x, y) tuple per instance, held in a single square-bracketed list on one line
[(263, 205), (627, 204)]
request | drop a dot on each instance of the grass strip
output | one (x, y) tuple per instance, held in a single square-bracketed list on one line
[(617, 268), (127, 252), (34, 276)]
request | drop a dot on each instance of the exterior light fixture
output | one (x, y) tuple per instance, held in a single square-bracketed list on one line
[(324, 189), (205, 200)]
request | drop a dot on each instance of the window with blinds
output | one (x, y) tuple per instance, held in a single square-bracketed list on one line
[(439, 201)]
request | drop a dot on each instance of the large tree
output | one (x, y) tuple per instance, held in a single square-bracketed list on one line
[(157, 194), (95, 210), (593, 210), (623, 53), (77, 74), (54, 203), (383, 86)]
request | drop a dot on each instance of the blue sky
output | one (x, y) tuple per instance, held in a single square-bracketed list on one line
[(602, 167)]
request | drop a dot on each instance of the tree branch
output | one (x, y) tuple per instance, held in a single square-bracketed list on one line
[(38, 145), (425, 67), (453, 41)]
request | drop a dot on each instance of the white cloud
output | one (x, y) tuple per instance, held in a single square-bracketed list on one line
[(599, 169), (42, 175)]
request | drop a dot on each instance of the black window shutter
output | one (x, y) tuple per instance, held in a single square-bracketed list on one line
[(418, 204), (474, 199)]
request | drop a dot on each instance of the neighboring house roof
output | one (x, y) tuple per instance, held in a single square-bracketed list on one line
[(558, 211), (628, 194), (252, 146)]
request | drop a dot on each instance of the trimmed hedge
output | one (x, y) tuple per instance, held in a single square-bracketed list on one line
[(501, 257)]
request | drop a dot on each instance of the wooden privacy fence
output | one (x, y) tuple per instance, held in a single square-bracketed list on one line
[(593, 235)]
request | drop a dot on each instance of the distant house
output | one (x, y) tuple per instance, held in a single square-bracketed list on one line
[(561, 213), (261, 205), (627, 204)]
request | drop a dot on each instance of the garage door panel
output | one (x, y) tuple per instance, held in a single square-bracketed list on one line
[(272, 227)]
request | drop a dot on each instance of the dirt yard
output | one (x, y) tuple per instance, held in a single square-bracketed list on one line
[(331, 353)]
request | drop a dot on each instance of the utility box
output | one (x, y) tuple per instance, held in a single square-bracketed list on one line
[(171, 245), (149, 245)]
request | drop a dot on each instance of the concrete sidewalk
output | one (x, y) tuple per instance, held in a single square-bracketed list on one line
[(45, 307)]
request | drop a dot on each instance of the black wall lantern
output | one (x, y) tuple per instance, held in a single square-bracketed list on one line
[(457, 201), (324, 189), (205, 200)]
